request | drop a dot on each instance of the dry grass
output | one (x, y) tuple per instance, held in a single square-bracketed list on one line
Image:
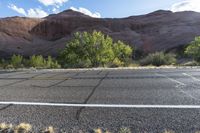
[(5, 127), (98, 130), (169, 131), (23, 128), (125, 130), (27, 128), (49, 130)]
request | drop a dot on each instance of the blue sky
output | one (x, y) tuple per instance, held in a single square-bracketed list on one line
[(94, 8)]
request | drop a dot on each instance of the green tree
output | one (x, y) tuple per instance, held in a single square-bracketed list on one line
[(193, 49), (122, 51), (93, 50), (16, 61)]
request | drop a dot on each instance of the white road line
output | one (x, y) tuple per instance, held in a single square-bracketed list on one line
[(186, 93), (194, 78), (173, 80), (180, 84), (102, 105)]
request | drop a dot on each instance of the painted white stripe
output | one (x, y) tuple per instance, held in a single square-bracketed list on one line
[(102, 105), (194, 78), (180, 89), (173, 80)]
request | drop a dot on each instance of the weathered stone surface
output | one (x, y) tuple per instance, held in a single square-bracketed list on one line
[(160, 30)]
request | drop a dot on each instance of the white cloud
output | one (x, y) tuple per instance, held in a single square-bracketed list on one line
[(86, 12), (36, 13), (55, 10), (32, 12), (186, 5), (52, 2), (17, 9)]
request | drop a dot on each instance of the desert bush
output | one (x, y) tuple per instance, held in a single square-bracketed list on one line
[(16, 61), (191, 63), (193, 49), (3, 63), (134, 64), (158, 59), (170, 59), (93, 50), (116, 63), (52, 63), (122, 52), (26, 62), (37, 61)]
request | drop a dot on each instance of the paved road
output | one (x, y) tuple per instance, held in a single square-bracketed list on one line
[(143, 100)]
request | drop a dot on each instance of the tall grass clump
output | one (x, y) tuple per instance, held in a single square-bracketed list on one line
[(52, 63), (158, 59), (16, 61), (38, 61)]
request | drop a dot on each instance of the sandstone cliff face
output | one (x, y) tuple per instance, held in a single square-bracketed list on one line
[(160, 30)]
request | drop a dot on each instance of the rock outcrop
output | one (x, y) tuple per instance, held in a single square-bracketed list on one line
[(160, 30)]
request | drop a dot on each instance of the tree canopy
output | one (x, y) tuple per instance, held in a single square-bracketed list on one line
[(193, 49), (93, 50)]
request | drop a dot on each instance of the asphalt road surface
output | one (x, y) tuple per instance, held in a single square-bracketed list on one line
[(150, 100)]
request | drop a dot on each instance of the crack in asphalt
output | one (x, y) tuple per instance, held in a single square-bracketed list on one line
[(89, 96), (16, 73), (94, 77), (24, 79), (53, 85), (5, 107), (56, 75), (99, 72)]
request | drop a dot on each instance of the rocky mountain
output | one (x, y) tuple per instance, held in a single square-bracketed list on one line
[(160, 30)]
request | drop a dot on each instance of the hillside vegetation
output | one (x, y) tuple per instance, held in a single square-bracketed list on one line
[(86, 50)]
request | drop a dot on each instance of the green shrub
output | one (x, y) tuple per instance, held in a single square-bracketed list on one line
[(4, 63), (158, 59), (37, 61), (51, 63), (193, 49), (93, 50), (116, 63), (170, 59), (123, 53), (16, 61), (26, 63)]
